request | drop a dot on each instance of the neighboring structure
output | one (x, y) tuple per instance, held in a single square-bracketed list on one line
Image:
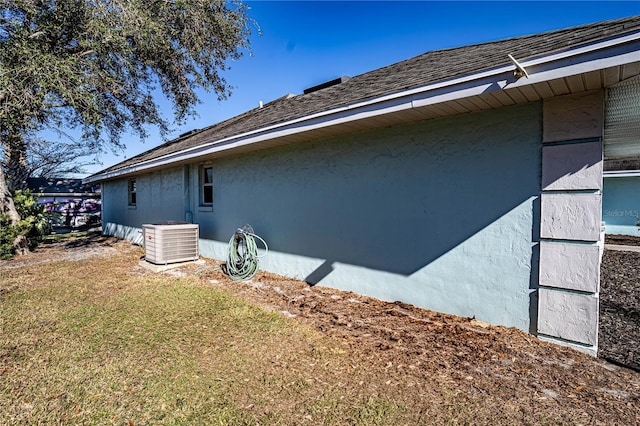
[(465, 180), (621, 197), (70, 203)]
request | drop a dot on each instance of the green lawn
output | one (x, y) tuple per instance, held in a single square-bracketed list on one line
[(94, 342), (101, 341)]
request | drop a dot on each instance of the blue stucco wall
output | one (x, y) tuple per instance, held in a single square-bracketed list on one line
[(442, 214), (160, 197), (621, 205)]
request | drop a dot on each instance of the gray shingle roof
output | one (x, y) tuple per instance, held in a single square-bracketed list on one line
[(59, 186), (422, 70)]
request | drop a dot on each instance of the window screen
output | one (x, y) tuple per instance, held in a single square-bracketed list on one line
[(622, 120)]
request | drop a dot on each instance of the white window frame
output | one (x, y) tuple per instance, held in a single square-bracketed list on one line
[(132, 191), (203, 184)]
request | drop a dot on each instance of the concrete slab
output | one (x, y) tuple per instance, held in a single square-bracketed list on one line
[(572, 167), (572, 117), (569, 316), (571, 216), (571, 266), (161, 268), (618, 247)]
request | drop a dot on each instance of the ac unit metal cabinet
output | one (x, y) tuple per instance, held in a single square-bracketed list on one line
[(170, 243)]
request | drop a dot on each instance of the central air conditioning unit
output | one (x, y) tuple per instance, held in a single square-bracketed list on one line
[(170, 242)]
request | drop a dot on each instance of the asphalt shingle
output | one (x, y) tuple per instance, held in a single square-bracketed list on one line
[(422, 70)]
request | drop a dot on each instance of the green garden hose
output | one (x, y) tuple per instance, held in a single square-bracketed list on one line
[(242, 257)]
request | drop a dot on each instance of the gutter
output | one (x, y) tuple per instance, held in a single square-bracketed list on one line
[(600, 55), (68, 194)]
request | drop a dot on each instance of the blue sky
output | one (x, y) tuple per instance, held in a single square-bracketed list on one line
[(305, 43)]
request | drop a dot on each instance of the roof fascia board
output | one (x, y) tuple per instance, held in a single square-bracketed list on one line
[(337, 116), (612, 52), (590, 61), (602, 45), (67, 194), (438, 93)]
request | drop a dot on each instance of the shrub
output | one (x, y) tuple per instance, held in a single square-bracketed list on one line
[(33, 226)]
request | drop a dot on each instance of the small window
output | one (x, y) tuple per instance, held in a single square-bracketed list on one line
[(132, 192), (206, 183)]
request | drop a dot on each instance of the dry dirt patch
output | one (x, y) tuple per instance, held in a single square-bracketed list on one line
[(491, 372), (622, 240), (72, 248), (620, 308)]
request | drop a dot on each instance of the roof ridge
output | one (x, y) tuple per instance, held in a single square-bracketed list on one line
[(520, 37), (423, 70)]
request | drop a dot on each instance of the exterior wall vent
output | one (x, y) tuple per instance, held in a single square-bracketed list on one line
[(189, 133), (326, 84), (170, 242)]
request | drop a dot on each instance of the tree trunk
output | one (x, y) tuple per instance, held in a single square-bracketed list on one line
[(15, 179), (17, 169), (6, 201), (7, 207)]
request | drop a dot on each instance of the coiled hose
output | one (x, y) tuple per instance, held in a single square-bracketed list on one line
[(242, 257)]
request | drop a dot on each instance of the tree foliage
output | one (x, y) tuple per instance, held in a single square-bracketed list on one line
[(95, 64), (98, 66), (32, 226)]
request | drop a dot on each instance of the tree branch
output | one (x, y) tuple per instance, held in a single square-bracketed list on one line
[(37, 34)]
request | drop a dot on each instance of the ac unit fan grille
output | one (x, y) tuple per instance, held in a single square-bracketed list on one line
[(170, 243)]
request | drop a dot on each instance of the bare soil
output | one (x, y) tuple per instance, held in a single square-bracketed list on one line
[(622, 240), (620, 308), (431, 362), (71, 248), (490, 369)]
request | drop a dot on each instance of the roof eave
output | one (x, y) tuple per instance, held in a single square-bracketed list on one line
[(67, 194), (600, 55)]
